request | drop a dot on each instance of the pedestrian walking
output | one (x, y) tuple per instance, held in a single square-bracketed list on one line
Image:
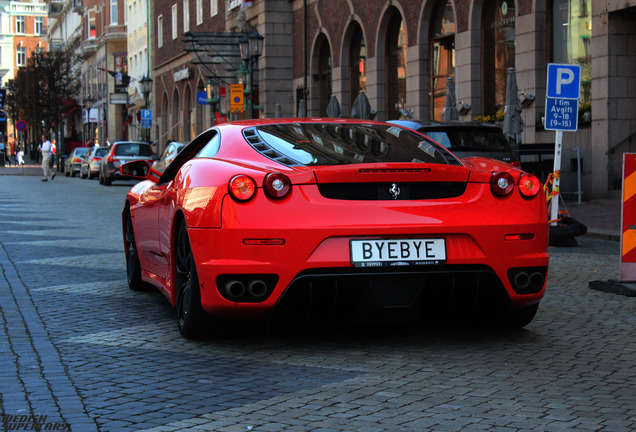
[(10, 153), (20, 155), (46, 150)]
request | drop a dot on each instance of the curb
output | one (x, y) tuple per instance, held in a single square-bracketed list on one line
[(627, 289)]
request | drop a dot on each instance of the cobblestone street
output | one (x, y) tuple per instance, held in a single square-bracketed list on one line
[(80, 350)]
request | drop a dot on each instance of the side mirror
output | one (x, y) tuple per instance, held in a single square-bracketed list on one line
[(140, 169)]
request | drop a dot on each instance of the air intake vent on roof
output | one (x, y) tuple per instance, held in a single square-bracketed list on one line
[(267, 150)]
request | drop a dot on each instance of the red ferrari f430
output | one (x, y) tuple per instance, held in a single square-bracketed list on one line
[(317, 219)]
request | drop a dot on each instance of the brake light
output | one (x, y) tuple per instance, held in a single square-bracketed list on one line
[(501, 183), (242, 187), (77, 160), (276, 185), (516, 164), (97, 158), (529, 185)]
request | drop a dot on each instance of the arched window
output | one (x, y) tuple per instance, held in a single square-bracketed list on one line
[(499, 52), (323, 74), (175, 121), (442, 55), (395, 66), (572, 38), (357, 64)]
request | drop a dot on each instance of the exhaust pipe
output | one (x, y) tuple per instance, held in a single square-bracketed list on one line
[(257, 288), (234, 289), (521, 280), (537, 280)]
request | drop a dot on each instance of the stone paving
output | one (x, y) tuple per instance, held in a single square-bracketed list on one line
[(80, 351)]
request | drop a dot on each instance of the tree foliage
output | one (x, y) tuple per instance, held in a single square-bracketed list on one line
[(44, 87)]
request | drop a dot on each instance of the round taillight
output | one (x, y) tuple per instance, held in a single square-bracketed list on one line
[(501, 183), (242, 187), (276, 185), (529, 185)]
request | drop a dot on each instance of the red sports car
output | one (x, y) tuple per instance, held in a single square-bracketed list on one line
[(329, 218)]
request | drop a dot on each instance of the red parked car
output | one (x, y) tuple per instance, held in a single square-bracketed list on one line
[(324, 218)]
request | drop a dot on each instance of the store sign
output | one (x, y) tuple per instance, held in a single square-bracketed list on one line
[(181, 75), (232, 4)]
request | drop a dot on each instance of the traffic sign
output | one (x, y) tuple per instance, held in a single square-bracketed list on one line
[(21, 126), (146, 119), (561, 114), (236, 98), (564, 81)]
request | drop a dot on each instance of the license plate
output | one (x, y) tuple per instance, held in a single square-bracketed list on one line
[(395, 252)]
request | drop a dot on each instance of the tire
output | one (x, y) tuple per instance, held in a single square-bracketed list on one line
[(133, 266), (521, 317), (67, 174), (101, 178), (191, 318), (107, 181), (90, 175)]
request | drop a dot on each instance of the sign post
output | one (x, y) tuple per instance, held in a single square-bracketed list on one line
[(561, 114)]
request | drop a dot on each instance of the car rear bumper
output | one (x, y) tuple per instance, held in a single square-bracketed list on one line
[(309, 248)]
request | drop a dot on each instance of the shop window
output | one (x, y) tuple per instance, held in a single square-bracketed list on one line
[(571, 39), (357, 64), (498, 52), (322, 74), (395, 67), (442, 54)]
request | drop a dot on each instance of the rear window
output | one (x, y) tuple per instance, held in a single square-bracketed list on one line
[(314, 144), (101, 151), (132, 149), (469, 140)]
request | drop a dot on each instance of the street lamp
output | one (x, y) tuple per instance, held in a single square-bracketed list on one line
[(146, 88), (251, 49), (89, 103), (212, 91)]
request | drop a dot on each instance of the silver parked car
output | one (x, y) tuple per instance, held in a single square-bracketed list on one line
[(169, 153), (119, 153), (90, 164), (73, 162)]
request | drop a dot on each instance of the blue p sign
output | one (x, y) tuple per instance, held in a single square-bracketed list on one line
[(564, 81)]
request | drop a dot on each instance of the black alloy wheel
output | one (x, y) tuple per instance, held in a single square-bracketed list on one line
[(191, 317), (133, 267)]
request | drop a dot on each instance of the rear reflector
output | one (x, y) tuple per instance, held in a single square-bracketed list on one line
[(264, 242), (523, 236)]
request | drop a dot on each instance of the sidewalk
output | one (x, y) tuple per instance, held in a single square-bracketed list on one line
[(30, 168), (602, 218)]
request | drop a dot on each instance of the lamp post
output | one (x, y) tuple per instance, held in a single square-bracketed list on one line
[(212, 98), (89, 103), (146, 88), (251, 49)]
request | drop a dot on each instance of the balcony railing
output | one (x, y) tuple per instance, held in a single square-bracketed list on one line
[(55, 8)]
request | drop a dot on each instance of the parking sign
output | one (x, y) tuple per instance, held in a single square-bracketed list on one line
[(564, 81), (562, 97)]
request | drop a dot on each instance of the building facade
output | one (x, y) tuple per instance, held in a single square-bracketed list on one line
[(401, 54), (104, 49), (139, 65), (22, 32)]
